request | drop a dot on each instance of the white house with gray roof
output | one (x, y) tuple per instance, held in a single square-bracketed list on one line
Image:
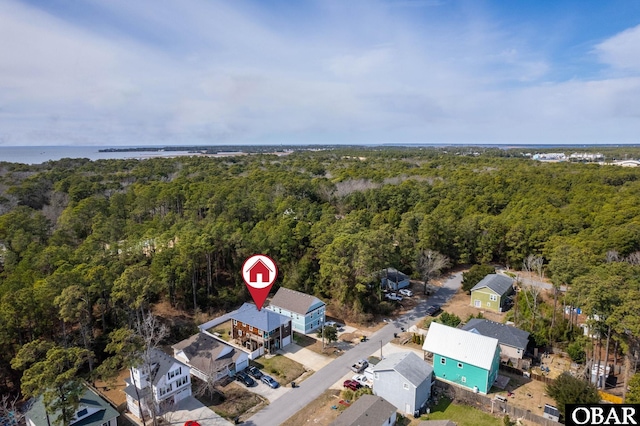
[(492, 292), (209, 357), (513, 341), (163, 382), (307, 312), (403, 379)]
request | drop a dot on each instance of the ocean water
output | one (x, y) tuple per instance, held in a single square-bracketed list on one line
[(41, 154)]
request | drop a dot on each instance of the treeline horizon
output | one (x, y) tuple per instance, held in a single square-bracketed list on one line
[(88, 246)]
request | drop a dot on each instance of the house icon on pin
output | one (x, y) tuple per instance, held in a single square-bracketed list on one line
[(259, 268)]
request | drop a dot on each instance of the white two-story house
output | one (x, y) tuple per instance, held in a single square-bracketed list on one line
[(164, 382)]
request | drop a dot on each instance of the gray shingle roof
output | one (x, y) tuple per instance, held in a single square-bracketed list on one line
[(498, 283), (506, 334), (163, 364), (90, 400), (408, 365), (206, 353), (294, 301), (394, 275), (263, 319), (368, 410)]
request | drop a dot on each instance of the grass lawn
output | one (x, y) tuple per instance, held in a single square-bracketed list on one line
[(223, 330), (234, 402), (283, 369), (463, 415)]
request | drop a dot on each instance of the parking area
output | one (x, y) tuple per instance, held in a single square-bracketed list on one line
[(267, 392)]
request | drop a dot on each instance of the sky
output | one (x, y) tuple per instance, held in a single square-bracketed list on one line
[(207, 72)]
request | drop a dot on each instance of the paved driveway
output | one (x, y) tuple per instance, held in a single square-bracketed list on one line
[(268, 392), (192, 409), (290, 403), (310, 359)]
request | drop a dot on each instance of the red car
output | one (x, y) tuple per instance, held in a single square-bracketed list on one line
[(191, 423), (351, 384)]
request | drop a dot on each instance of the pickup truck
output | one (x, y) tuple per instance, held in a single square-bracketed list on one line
[(359, 366), (362, 379), (393, 296)]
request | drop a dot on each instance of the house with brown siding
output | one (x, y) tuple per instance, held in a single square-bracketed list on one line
[(260, 331)]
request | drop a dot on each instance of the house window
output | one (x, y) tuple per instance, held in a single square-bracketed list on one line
[(405, 386), (107, 423), (250, 328), (493, 297), (239, 333), (182, 381), (477, 303), (488, 303), (459, 365), (443, 361), (235, 322), (174, 373), (463, 379)]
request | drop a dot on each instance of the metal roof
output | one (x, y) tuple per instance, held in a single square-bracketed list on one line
[(460, 345), (498, 283), (506, 334), (91, 400), (264, 319), (294, 301), (368, 410), (408, 365)]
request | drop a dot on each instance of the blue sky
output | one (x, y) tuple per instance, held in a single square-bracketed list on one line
[(158, 72)]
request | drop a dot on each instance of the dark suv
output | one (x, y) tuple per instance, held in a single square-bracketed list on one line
[(254, 372), (243, 377)]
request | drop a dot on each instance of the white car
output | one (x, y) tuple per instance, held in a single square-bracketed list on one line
[(393, 296), (406, 292), (337, 325)]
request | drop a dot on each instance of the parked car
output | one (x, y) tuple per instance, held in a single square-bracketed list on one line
[(351, 384), (254, 372), (393, 296), (360, 366), (406, 292), (433, 310), (269, 381), (337, 325), (362, 379), (243, 377)]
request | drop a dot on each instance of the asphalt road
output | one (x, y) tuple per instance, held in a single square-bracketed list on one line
[(290, 403)]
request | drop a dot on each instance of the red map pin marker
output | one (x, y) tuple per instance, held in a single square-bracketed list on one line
[(259, 273)]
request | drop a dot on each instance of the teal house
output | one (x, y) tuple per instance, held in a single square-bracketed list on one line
[(306, 311), (463, 358)]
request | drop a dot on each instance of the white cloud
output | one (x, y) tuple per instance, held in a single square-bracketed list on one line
[(621, 51), (208, 72)]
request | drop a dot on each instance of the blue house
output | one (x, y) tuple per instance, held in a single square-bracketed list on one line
[(394, 280), (306, 312), (463, 358)]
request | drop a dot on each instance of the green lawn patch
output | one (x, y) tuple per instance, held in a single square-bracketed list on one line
[(223, 330), (281, 368), (463, 415)]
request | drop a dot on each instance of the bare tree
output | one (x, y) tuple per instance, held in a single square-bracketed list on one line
[(9, 410), (152, 333), (633, 258), (430, 264), (532, 265), (612, 256)]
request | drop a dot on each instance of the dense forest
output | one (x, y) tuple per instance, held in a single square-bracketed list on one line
[(87, 247)]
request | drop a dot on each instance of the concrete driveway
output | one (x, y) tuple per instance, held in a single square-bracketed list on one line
[(267, 392), (192, 409), (310, 359)]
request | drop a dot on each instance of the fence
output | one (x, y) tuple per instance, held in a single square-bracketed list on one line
[(484, 403)]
